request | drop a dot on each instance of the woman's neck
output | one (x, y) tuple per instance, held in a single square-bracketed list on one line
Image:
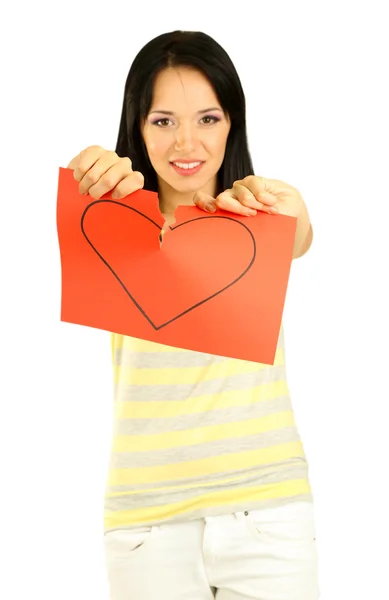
[(169, 198)]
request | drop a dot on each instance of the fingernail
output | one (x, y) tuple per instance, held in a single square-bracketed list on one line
[(209, 207), (274, 209), (251, 212)]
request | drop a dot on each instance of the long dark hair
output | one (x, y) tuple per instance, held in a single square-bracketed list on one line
[(192, 49)]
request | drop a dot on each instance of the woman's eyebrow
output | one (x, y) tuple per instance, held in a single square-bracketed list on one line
[(200, 112)]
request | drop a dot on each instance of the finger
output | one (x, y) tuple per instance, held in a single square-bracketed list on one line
[(85, 160), (268, 202), (133, 182), (247, 198), (268, 190), (114, 179), (227, 201), (205, 202), (97, 171), (266, 199), (119, 177)]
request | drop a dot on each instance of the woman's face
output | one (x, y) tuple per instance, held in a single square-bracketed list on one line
[(186, 125)]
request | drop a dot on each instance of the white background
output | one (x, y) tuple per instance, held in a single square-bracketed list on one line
[(315, 77)]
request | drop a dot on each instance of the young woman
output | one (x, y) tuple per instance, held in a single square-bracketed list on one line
[(208, 492)]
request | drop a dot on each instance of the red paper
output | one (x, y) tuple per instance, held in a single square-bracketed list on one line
[(217, 284)]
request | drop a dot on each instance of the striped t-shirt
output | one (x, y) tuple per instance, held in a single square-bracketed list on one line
[(199, 435)]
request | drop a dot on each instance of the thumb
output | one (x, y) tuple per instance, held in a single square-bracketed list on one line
[(205, 202)]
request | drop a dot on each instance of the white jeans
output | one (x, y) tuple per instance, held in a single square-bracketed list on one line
[(266, 554)]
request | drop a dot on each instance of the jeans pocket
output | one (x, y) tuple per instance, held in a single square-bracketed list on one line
[(120, 543), (290, 524)]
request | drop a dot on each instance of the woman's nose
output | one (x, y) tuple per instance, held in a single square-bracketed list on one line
[(185, 139)]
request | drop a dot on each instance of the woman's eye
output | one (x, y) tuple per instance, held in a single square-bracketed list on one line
[(162, 122), (209, 119)]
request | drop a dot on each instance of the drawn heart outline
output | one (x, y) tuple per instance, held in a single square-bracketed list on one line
[(172, 229)]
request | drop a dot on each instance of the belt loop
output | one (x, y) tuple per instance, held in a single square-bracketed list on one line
[(241, 516)]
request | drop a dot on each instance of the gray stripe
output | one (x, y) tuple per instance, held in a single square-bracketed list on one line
[(164, 360), (175, 496), (281, 341), (169, 360), (238, 382), (294, 463), (232, 414), (170, 456)]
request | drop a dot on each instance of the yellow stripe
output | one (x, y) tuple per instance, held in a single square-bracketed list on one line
[(205, 466), (198, 404), (241, 496), (187, 375), (202, 435), (272, 469)]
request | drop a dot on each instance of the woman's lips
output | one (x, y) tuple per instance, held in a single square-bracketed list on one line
[(185, 171)]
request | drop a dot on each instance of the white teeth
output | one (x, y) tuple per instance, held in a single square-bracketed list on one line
[(187, 166)]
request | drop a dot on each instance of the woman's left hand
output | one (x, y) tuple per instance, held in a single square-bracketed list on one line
[(252, 194)]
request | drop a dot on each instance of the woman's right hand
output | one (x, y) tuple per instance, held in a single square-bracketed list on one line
[(99, 171)]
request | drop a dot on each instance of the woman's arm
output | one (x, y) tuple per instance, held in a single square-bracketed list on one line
[(304, 232)]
